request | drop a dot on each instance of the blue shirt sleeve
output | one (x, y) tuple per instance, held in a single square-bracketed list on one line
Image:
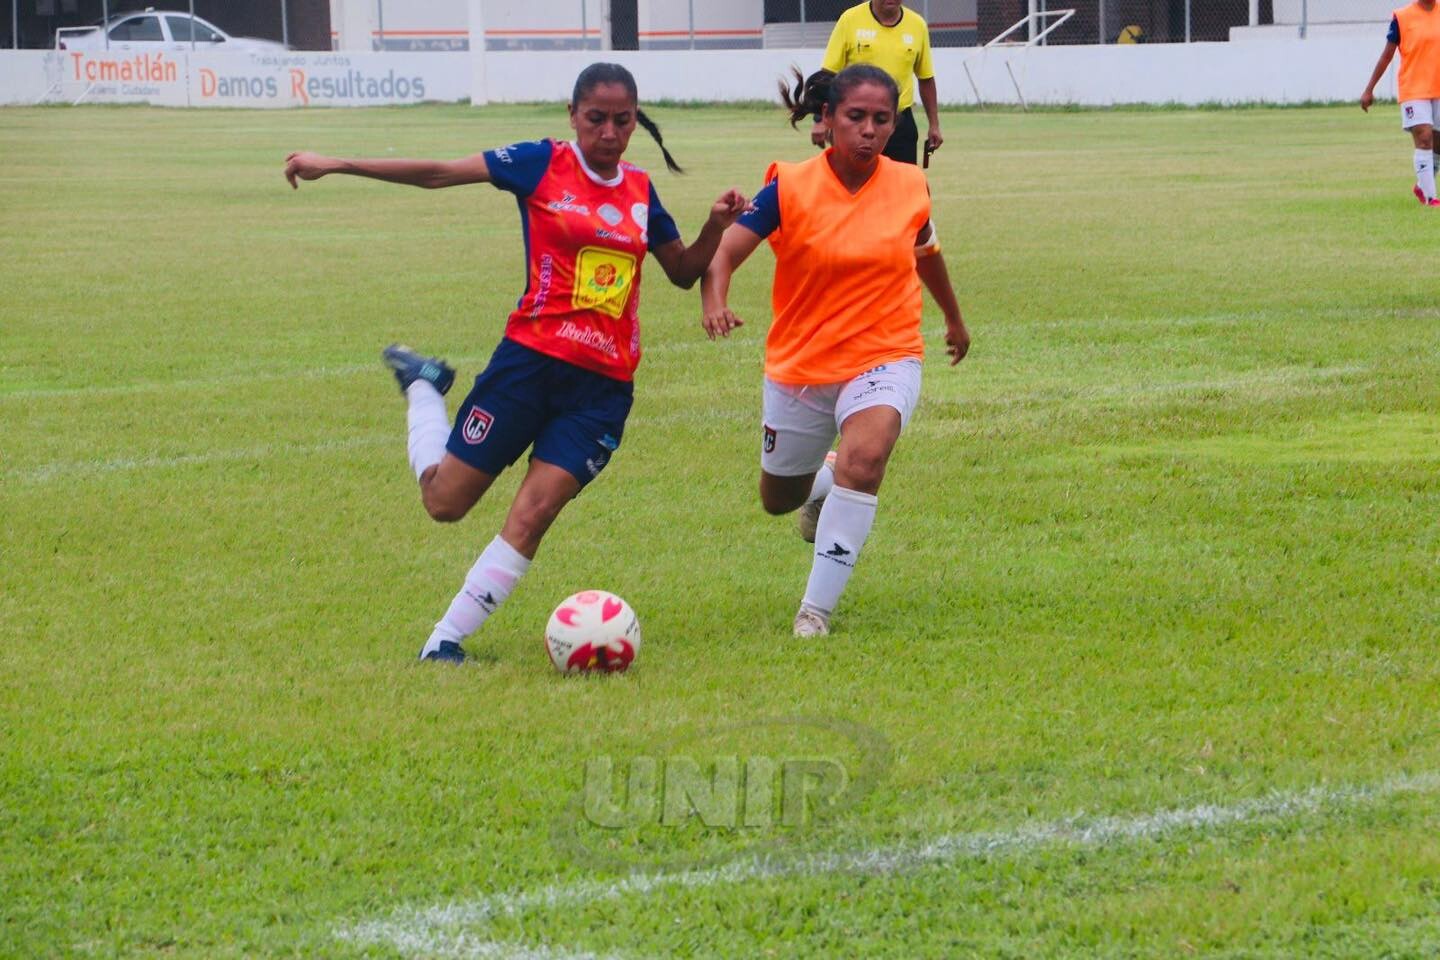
[(765, 218), (520, 167), (1394, 35), (662, 226)]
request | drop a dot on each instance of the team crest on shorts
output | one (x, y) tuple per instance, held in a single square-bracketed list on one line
[(477, 426), (1409, 113), (769, 439)]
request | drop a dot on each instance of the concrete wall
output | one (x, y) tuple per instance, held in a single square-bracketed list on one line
[(561, 24), (234, 79), (26, 76), (1337, 11), (1272, 71), (665, 24)]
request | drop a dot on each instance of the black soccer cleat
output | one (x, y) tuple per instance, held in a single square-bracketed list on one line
[(449, 652), (409, 366)]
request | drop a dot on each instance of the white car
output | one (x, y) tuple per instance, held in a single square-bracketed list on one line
[(154, 31)]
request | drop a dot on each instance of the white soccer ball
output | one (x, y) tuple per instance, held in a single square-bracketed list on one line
[(592, 631)]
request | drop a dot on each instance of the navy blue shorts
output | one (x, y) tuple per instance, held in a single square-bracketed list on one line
[(573, 417)]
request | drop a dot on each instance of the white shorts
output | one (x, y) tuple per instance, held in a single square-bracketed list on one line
[(801, 422), (1414, 113)]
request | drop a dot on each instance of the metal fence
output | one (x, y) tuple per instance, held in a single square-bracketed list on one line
[(699, 24), (402, 25)]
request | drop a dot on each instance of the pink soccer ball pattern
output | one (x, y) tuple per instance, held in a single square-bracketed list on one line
[(592, 631)]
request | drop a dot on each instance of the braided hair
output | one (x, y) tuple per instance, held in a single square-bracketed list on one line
[(825, 89), (598, 73)]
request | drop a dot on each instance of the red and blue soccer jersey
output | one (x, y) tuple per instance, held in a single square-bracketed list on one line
[(585, 238)]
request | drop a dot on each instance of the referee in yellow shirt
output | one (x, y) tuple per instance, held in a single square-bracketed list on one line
[(884, 34)]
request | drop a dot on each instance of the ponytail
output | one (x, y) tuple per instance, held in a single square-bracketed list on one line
[(823, 89), (810, 95), (654, 131)]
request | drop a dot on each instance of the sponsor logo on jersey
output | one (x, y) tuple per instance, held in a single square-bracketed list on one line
[(588, 337), (567, 204), (477, 426), (542, 294), (603, 278)]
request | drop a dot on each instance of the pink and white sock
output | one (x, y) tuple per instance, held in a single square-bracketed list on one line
[(487, 585), (1425, 172)]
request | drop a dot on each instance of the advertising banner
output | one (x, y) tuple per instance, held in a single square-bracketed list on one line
[(258, 79)]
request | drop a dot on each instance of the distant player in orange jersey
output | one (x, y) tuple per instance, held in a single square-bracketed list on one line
[(853, 243), (1415, 33)]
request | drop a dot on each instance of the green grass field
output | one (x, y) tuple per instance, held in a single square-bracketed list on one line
[(1140, 661)]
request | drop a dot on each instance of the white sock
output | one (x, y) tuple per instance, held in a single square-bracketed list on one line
[(824, 482), (487, 585), (429, 426), (845, 522), (1425, 172)]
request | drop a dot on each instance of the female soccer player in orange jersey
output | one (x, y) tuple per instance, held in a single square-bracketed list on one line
[(853, 242), (1415, 33)]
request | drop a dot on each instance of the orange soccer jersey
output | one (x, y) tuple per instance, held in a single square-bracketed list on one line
[(846, 295), (1419, 52)]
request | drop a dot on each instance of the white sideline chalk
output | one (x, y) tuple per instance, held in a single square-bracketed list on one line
[(457, 929)]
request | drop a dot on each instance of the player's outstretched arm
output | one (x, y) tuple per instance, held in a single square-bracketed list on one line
[(685, 265), (430, 174), (930, 265), (735, 248), (1368, 97)]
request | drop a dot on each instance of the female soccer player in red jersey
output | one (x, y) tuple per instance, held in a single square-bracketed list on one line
[(560, 381), (853, 243), (1415, 33)]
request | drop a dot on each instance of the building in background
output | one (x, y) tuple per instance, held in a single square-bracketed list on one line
[(416, 25)]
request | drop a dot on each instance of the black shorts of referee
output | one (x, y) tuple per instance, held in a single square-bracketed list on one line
[(905, 141)]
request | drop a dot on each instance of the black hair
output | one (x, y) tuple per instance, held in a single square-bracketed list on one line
[(598, 73), (823, 88)]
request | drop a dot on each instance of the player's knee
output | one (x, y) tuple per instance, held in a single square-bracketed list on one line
[(529, 520), (1425, 140), (862, 469), (445, 512), (443, 508), (776, 504), (782, 495)]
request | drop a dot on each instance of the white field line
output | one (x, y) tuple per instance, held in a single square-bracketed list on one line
[(1011, 401), (198, 383), (474, 362), (458, 929), (88, 468), (462, 363)]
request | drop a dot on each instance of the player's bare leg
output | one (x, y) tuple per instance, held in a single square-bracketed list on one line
[(542, 495)]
